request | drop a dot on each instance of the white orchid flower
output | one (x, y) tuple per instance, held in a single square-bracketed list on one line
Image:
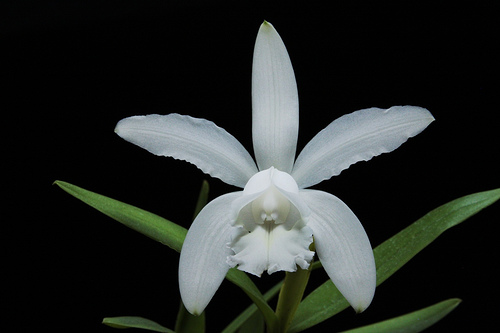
[(271, 223)]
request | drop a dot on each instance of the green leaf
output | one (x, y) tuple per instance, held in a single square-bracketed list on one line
[(167, 233), (254, 324), (242, 280), (326, 300), (251, 311), (413, 322), (135, 322), (398, 250), (149, 224), (187, 323)]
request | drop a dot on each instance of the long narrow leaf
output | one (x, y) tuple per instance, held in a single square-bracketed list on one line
[(254, 324), (149, 224), (251, 311), (413, 322), (391, 255), (165, 232), (242, 280), (135, 322), (326, 300)]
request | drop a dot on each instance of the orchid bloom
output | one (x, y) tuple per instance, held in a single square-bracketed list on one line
[(270, 225)]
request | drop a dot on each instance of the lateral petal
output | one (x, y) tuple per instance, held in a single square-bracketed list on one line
[(355, 137), (275, 103), (343, 247), (202, 264), (198, 141)]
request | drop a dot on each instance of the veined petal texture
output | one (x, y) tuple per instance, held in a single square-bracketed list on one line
[(343, 247), (275, 103), (197, 141), (202, 265), (355, 137)]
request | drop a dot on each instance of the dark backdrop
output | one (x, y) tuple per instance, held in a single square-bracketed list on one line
[(74, 68)]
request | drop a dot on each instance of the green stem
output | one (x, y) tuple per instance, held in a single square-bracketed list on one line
[(187, 323), (290, 296)]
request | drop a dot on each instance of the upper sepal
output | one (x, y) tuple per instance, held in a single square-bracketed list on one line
[(275, 103)]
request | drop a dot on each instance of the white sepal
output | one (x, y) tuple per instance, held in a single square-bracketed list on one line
[(197, 141), (275, 103), (355, 137)]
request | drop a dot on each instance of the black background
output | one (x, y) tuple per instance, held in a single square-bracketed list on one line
[(74, 68)]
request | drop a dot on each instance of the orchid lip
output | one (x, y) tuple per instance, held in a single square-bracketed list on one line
[(270, 232)]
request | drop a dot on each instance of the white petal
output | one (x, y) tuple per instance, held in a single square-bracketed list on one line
[(275, 103), (202, 265), (271, 247), (355, 137), (197, 141), (298, 209), (343, 247)]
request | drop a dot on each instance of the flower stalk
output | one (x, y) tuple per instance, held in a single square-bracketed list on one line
[(290, 296)]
